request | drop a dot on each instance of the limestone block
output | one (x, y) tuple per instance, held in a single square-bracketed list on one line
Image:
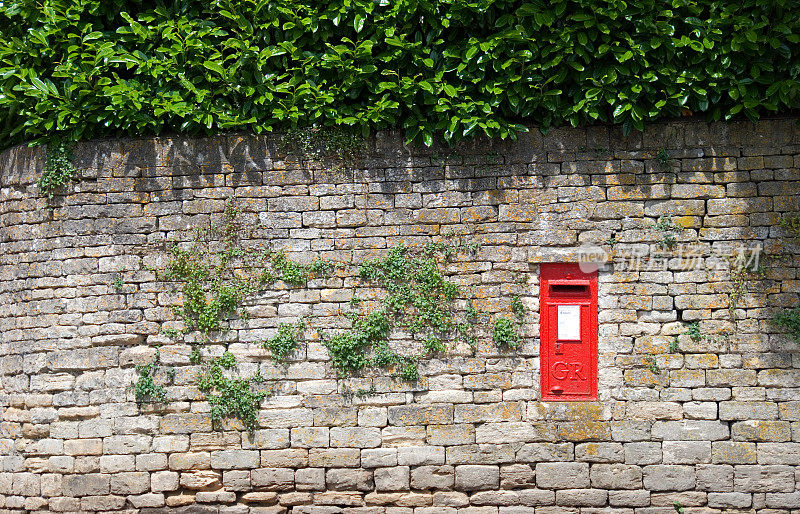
[(515, 476), (748, 410), (310, 479), (355, 437), (420, 415), (433, 477), (334, 457), (290, 457), (616, 476), (310, 437), (190, 460), (581, 497), (510, 432), (783, 500), (126, 444), (117, 463), (761, 479), (235, 459), (538, 452), (215, 497), (102, 503), (373, 416), (272, 479), (420, 455), (690, 430), (734, 452), (132, 482), (91, 484), (266, 439), (629, 498), (730, 500), (392, 479), (761, 431), (476, 477), (378, 457), (481, 454), (686, 452), (714, 477), (562, 475), (343, 479), (163, 481), (599, 452), (668, 478)]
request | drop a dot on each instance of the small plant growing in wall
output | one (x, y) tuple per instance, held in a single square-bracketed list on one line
[(663, 160), (360, 393), (171, 333), (695, 334), (58, 167), (149, 388), (668, 230), (745, 266), (652, 365), (118, 284), (418, 299), (230, 396), (792, 225), (693, 331), (286, 340), (505, 332), (215, 273), (790, 320)]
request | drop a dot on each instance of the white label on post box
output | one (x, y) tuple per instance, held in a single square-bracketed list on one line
[(569, 322)]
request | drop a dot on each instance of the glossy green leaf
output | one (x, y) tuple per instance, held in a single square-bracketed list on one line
[(98, 69), (214, 66)]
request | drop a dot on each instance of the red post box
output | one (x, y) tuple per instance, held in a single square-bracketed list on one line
[(568, 303)]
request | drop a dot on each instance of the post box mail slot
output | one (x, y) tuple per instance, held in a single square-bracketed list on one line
[(569, 291), (568, 300)]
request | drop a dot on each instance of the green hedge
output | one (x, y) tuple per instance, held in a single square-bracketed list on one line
[(87, 68)]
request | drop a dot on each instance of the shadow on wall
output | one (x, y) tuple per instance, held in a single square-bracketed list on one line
[(21, 166)]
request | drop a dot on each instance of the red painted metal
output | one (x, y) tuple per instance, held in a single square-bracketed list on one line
[(568, 349)]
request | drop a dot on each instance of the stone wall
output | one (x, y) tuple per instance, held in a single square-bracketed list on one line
[(710, 422)]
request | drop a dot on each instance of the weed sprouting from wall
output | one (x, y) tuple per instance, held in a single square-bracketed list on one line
[(149, 387), (231, 396), (506, 331), (58, 167), (286, 340), (418, 299), (790, 318), (744, 268), (217, 272), (791, 224), (663, 160), (668, 230)]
